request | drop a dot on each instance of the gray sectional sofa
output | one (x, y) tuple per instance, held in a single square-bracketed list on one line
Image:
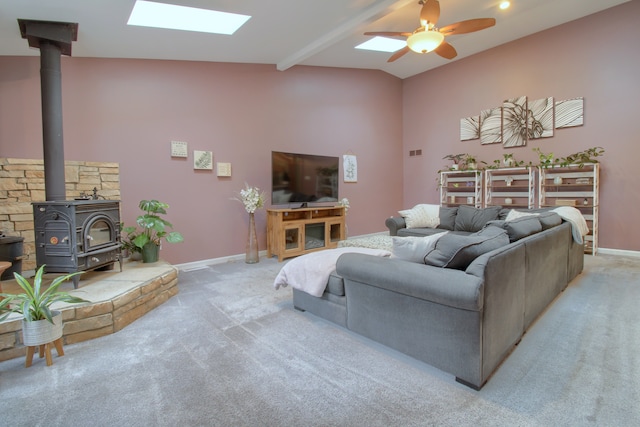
[(466, 311)]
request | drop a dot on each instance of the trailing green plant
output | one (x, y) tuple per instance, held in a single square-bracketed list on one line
[(470, 162), (455, 158), (464, 161), (581, 157), (154, 227), (546, 159), (35, 303), (508, 160)]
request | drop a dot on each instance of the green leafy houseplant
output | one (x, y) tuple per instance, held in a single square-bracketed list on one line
[(153, 228), (455, 158), (580, 158), (35, 303), (127, 236)]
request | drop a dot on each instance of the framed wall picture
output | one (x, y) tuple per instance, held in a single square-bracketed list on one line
[(178, 149), (202, 160), (350, 166)]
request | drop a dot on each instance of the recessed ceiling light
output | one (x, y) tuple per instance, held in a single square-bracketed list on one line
[(161, 15), (505, 4), (382, 44)]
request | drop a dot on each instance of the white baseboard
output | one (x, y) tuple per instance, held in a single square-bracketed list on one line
[(618, 252), (197, 265)]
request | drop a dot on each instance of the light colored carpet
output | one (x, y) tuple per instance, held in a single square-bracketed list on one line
[(229, 350)]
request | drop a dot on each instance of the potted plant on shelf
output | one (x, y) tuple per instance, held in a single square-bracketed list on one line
[(581, 157), (40, 324), (154, 229), (456, 159), (546, 160), (469, 162)]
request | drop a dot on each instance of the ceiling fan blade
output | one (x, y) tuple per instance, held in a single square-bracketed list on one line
[(388, 33), (430, 12), (446, 50), (398, 54), (468, 26)]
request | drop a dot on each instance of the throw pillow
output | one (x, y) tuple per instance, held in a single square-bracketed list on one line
[(422, 215), (549, 220), (514, 214), (458, 251), (447, 218), (414, 249), (522, 227), (474, 219)]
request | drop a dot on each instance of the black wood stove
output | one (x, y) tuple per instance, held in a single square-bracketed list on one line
[(77, 235), (70, 235)]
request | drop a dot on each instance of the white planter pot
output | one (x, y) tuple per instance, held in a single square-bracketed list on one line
[(42, 331)]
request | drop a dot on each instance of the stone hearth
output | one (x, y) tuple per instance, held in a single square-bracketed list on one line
[(117, 299)]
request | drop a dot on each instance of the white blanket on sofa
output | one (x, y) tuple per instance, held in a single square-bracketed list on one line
[(579, 227), (310, 273)]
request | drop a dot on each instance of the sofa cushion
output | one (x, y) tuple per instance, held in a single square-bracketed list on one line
[(549, 220), (473, 219), (447, 218), (335, 285), (419, 232), (458, 251), (414, 249), (520, 227), (422, 215), (514, 214)]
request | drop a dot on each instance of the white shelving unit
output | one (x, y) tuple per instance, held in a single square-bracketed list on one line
[(510, 187), (461, 188), (573, 186)]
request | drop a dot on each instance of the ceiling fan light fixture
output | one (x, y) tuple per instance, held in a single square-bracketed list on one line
[(425, 41)]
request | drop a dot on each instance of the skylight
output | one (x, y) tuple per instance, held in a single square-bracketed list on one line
[(161, 15), (382, 44)]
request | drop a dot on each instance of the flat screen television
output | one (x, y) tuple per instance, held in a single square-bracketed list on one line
[(303, 178)]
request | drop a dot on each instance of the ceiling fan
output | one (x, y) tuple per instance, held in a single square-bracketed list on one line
[(428, 37)]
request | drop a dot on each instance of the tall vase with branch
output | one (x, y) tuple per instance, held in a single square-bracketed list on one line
[(252, 199)]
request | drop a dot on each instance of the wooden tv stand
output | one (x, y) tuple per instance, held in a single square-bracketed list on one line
[(293, 232)]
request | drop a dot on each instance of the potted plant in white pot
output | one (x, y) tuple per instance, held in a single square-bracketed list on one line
[(40, 324), (154, 229)]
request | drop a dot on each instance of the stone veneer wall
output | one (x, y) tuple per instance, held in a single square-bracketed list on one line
[(22, 182)]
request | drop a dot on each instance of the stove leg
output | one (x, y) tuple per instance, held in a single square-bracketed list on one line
[(76, 281)]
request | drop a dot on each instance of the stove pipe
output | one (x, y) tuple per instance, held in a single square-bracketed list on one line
[(53, 39)]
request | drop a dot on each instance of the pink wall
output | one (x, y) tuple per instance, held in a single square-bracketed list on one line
[(595, 57), (128, 111)]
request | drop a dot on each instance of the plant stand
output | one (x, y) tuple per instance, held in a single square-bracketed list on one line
[(44, 335), (44, 350)]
